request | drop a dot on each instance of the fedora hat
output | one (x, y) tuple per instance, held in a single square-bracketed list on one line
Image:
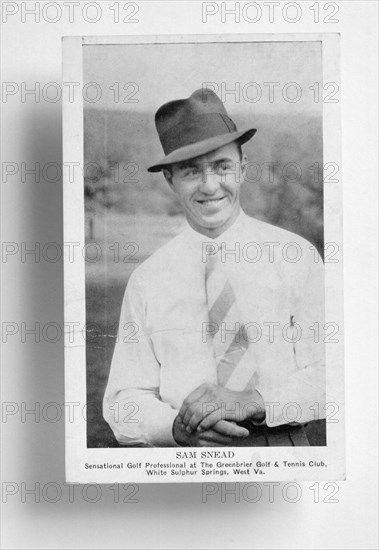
[(192, 127)]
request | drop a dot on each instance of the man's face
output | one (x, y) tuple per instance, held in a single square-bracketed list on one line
[(208, 188)]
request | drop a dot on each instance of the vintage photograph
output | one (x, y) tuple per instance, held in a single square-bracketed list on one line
[(205, 256), (155, 212)]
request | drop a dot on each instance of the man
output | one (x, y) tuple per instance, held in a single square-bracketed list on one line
[(223, 352)]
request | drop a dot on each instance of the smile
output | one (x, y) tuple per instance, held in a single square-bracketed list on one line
[(211, 202)]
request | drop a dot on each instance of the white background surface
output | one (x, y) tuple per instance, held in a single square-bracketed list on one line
[(175, 516)]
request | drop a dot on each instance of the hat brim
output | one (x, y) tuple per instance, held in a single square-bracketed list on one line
[(202, 147)]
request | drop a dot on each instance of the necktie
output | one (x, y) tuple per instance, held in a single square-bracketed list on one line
[(226, 328), (235, 370)]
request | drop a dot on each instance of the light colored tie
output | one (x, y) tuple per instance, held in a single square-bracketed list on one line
[(229, 343), (234, 368)]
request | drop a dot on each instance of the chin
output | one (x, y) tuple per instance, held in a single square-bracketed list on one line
[(214, 221)]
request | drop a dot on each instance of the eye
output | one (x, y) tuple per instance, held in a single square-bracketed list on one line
[(223, 166), (191, 172)]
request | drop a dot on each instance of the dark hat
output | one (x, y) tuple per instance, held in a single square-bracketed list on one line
[(192, 127)]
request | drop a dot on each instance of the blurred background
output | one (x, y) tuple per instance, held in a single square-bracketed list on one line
[(273, 87)]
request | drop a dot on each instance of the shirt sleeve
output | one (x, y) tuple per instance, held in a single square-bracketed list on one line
[(296, 391), (132, 405)]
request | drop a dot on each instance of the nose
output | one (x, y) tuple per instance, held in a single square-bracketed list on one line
[(210, 182)]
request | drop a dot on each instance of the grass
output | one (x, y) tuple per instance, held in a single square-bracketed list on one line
[(103, 309)]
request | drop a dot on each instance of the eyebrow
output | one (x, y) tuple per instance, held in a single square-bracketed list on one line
[(187, 164), (223, 159), (194, 164)]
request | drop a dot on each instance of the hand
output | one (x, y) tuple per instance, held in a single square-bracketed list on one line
[(210, 403), (221, 434)]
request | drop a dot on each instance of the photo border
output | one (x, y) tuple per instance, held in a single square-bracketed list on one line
[(77, 453)]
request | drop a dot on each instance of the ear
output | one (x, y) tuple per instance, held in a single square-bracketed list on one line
[(244, 161), (168, 177)]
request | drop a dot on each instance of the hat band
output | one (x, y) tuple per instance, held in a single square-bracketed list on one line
[(196, 129)]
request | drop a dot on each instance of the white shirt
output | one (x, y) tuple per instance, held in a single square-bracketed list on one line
[(163, 352)]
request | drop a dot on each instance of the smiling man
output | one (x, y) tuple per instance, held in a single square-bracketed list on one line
[(213, 206), (223, 353)]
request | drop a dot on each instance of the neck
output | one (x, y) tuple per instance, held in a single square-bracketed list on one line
[(214, 232)]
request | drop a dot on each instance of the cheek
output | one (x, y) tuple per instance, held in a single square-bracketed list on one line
[(181, 191), (185, 193), (185, 199), (186, 196), (232, 186)]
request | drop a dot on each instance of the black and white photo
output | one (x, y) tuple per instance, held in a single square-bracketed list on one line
[(210, 253)]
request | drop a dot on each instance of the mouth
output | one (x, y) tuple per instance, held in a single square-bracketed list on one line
[(210, 202)]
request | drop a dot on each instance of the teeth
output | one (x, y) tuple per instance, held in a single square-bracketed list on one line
[(211, 201)]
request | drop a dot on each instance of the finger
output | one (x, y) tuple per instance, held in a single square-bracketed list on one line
[(193, 409), (193, 396), (201, 407), (195, 414), (197, 417), (210, 420), (224, 427), (200, 410)]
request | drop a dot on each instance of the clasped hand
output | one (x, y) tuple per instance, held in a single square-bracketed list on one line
[(209, 414)]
